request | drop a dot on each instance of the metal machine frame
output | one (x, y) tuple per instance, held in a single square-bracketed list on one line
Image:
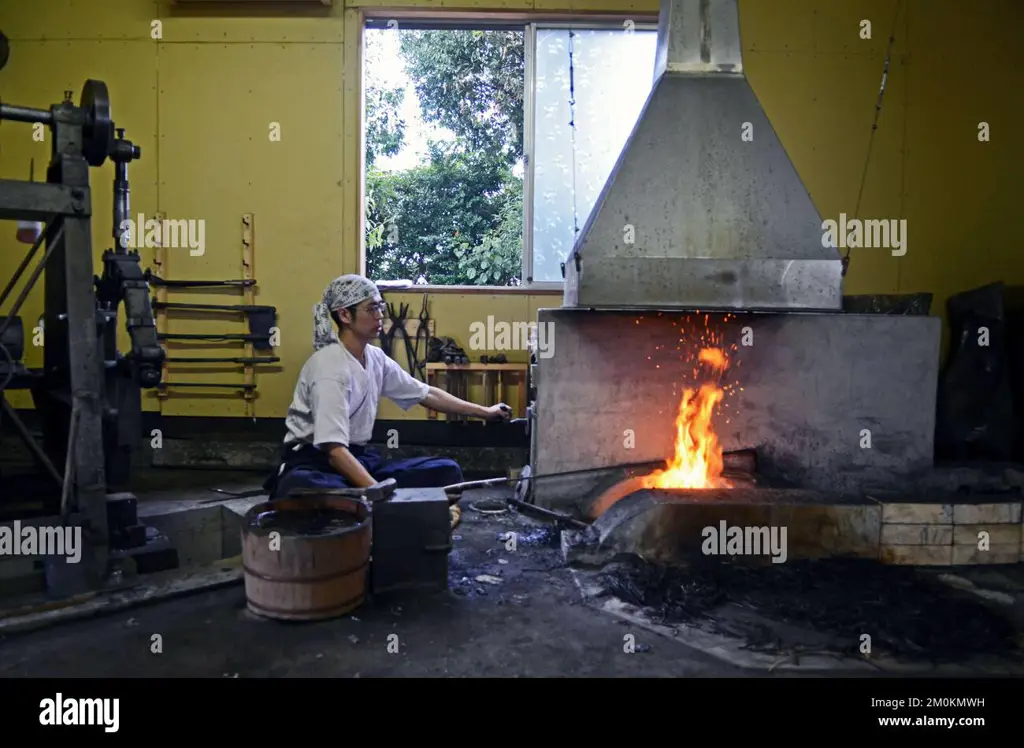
[(88, 395)]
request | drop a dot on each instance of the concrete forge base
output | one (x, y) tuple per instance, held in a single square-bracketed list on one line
[(666, 526), (833, 402)]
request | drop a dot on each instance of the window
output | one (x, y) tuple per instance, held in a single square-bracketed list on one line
[(487, 148)]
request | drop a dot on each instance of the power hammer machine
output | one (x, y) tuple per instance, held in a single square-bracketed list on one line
[(88, 395)]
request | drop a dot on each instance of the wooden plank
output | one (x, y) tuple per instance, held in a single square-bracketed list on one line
[(249, 273), (479, 367), (160, 270)]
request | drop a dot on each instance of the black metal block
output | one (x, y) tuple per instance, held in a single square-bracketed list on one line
[(411, 540), (122, 511), (156, 554), (124, 538)]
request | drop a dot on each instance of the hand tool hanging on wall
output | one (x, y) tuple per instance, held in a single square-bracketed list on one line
[(260, 342), (241, 360), (387, 339), (261, 318), (410, 350), (398, 320), (423, 333), (156, 280)]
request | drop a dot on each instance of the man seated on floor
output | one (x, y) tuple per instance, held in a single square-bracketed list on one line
[(330, 420)]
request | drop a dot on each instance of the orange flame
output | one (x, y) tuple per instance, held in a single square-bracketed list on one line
[(697, 461)]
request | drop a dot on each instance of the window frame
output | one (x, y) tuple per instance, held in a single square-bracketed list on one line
[(529, 24)]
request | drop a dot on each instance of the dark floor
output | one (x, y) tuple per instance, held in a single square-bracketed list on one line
[(530, 623)]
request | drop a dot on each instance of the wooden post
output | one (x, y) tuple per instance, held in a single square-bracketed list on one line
[(249, 273), (160, 269)]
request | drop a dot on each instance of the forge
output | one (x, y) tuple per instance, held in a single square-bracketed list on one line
[(704, 315), (703, 280)]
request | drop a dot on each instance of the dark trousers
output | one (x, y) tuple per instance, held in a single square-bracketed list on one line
[(308, 468)]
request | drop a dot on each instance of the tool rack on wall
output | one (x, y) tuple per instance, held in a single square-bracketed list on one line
[(261, 321)]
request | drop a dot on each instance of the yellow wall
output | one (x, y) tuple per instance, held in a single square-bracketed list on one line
[(200, 98)]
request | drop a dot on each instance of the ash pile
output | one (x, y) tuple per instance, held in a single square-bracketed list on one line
[(828, 605)]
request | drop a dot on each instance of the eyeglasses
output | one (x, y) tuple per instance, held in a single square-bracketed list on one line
[(379, 307)]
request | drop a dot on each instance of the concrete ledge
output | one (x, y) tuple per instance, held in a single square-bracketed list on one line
[(665, 526), (202, 533), (158, 587)]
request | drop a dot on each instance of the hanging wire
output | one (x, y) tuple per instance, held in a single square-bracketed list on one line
[(572, 126), (874, 127)]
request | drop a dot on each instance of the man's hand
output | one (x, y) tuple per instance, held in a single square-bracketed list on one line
[(442, 402), (499, 412)]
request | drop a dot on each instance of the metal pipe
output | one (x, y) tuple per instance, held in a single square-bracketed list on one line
[(547, 514), (122, 203), (25, 114), (122, 189)]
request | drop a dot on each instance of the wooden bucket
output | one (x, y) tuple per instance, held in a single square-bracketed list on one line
[(291, 574)]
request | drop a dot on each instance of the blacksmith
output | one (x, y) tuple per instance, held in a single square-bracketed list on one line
[(330, 420)]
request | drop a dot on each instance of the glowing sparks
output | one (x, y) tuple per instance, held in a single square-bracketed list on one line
[(697, 460)]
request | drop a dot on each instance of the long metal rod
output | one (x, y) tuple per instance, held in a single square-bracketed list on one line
[(740, 460), (254, 360), (874, 126), (32, 281), (582, 471), (25, 114), (213, 307), (547, 513)]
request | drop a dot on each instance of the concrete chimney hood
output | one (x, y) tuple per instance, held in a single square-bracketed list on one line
[(704, 209)]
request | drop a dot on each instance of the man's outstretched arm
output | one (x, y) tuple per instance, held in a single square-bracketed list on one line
[(443, 402)]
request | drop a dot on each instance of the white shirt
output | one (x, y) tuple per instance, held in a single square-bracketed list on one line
[(336, 399)]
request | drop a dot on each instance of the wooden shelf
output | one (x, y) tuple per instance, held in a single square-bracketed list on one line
[(495, 378), (478, 367)]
